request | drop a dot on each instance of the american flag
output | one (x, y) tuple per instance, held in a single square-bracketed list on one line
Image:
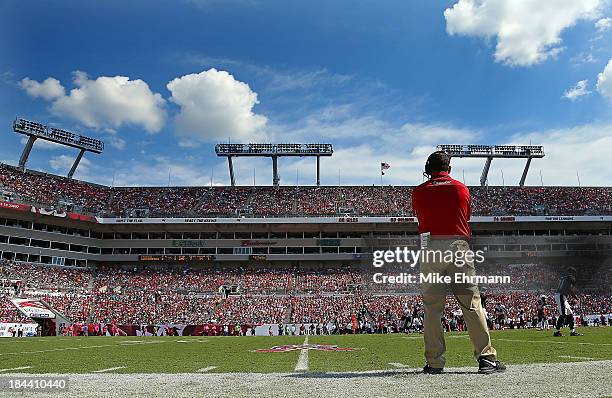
[(384, 166)]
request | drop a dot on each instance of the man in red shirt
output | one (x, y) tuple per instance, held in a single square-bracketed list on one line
[(442, 206)]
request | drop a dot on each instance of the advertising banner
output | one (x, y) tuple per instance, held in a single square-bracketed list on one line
[(33, 308), (7, 329)]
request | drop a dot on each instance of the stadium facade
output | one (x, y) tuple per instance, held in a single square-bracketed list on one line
[(35, 235), (289, 233)]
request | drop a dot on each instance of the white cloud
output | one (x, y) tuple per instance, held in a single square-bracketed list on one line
[(49, 89), (437, 133), (215, 106), (116, 142), (604, 24), (585, 57), (155, 170), (43, 144), (527, 31), (151, 170), (366, 140), (569, 151), (277, 78), (604, 81), (306, 79), (106, 102), (578, 90), (63, 163)]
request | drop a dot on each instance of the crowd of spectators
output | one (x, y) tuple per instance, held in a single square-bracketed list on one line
[(206, 280), (249, 309), (258, 295), (323, 309), (26, 276), (328, 280), (8, 312), (252, 295), (49, 190), (183, 295)]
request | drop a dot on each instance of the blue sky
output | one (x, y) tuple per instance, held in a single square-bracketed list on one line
[(162, 81)]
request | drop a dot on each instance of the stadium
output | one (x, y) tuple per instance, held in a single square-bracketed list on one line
[(247, 198), (272, 279)]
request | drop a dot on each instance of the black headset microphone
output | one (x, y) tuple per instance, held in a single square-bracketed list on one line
[(427, 172)]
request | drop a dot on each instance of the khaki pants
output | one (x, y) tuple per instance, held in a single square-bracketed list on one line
[(468, 296)]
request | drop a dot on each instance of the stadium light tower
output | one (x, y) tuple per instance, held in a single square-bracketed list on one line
[(495, 151), (273, 151), (36, 130)]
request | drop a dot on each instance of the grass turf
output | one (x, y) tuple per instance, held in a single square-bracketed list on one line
[(236, 354)]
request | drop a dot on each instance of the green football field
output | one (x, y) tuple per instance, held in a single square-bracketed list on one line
[(237, 354)]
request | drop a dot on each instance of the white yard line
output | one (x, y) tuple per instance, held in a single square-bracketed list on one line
[(551, 341), (447, 337), (398, 365), (108, 370), (302, 363), (78, 348), (571, 357), (19, 368), (206, 369)]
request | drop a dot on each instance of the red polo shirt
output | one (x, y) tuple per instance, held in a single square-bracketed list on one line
[(442, 206)]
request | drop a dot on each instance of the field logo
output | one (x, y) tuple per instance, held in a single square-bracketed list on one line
[(295, 347)]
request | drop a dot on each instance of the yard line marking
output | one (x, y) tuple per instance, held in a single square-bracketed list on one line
[(302, 363), (19, 368), (552, 341), (191, 341), (448, 337), (571, 357), (398, 365), (85, 347), (108, 370), (206, 369)]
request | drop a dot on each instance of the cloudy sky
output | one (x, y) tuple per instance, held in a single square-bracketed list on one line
[(162, 81)]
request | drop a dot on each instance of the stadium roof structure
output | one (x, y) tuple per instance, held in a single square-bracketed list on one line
[(35, 130), (495, 151), (273, 151)]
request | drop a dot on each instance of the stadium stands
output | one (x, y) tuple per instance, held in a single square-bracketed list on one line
[(237, 295), (49, 190), (191, 296)]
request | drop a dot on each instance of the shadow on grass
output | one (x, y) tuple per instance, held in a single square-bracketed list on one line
[(374, 373)]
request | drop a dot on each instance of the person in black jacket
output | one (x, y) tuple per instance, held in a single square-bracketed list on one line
[(567, 288)]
